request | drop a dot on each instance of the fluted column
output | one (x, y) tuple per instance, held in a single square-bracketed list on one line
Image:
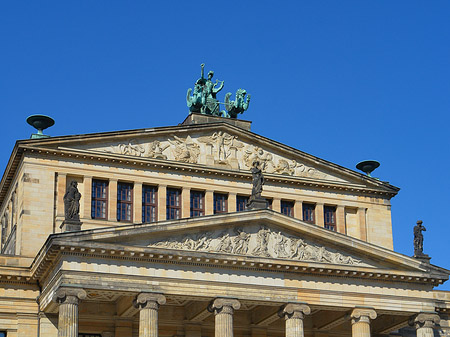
[(424, 323), (148, 305), (361, 321), (223, 309), (294, 313), (68, 300)]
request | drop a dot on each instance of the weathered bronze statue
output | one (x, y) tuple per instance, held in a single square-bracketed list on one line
[(418, 239), (239, 105), (204, 98), (72, 202)]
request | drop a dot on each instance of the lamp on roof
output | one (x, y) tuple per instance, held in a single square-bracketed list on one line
[(367, 166), (40, 123)]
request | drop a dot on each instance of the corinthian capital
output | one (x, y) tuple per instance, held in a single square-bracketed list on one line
[(224, 306), (66, 295), (363, 315), (149, 300), (425, 320), (294, 310)]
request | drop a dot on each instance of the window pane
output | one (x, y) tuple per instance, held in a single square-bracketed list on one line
[(173, 197), (287, 207), (241, 201)]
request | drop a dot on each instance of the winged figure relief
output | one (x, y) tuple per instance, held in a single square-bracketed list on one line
[(185, 150)]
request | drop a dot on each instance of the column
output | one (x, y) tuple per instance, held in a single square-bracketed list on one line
[(424, 323), (294, 313), (148, 305), (112, 200), (68, 299), (361, 213), (223, 309), (162, 202), (185, 202), (137, 203), (319, 215), (231, 202), (209, 202), (361, 321), (87, 197), (340, 219)]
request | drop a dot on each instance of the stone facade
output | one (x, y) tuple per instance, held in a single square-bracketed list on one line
[(327, 269)]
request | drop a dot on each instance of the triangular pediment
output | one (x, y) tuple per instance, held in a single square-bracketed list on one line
[(252, 236), (218, 146)]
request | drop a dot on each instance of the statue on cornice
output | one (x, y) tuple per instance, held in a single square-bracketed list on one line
[(72, 202), (204, 98), (418, 239)]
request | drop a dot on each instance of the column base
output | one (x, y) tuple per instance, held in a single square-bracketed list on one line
[(71, 226), (256, 203), (422, 257)]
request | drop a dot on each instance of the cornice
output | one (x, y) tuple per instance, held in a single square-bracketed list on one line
[(213, 260), (142, 163)]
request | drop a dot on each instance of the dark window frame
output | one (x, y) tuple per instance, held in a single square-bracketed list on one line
[(309, 212), (124, 204), (173, 209), (219, 200), (329, 218), (95, 199), (197, 203), (149, 205), (287, 207)]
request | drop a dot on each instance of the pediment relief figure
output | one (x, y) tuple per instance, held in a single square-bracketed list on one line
[(218, 149), (258, 241)]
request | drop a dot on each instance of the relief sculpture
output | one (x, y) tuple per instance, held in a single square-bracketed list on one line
[(223, 144), (257, 241), (185, 150), (219, 149)]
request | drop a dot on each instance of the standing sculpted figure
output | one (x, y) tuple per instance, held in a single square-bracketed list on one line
[(72, 202), (257, 180), (418, 238)]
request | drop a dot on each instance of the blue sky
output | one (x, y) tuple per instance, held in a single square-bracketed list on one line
[(342, 80)]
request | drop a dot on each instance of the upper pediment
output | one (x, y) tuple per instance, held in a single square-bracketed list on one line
[(218, 146)]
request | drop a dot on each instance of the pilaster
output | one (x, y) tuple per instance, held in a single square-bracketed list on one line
[(361, 213), (319, 215), (340, 219), (209, 202), (162, 195), (87, 197), (185, 202), (231, 202), (112, 200), (276, 205), (137, 200)]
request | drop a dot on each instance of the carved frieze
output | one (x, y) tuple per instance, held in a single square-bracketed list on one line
[(256, 241), (219, 149)]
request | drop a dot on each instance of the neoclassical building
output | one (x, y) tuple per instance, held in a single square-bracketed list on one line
[(167, 246)]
